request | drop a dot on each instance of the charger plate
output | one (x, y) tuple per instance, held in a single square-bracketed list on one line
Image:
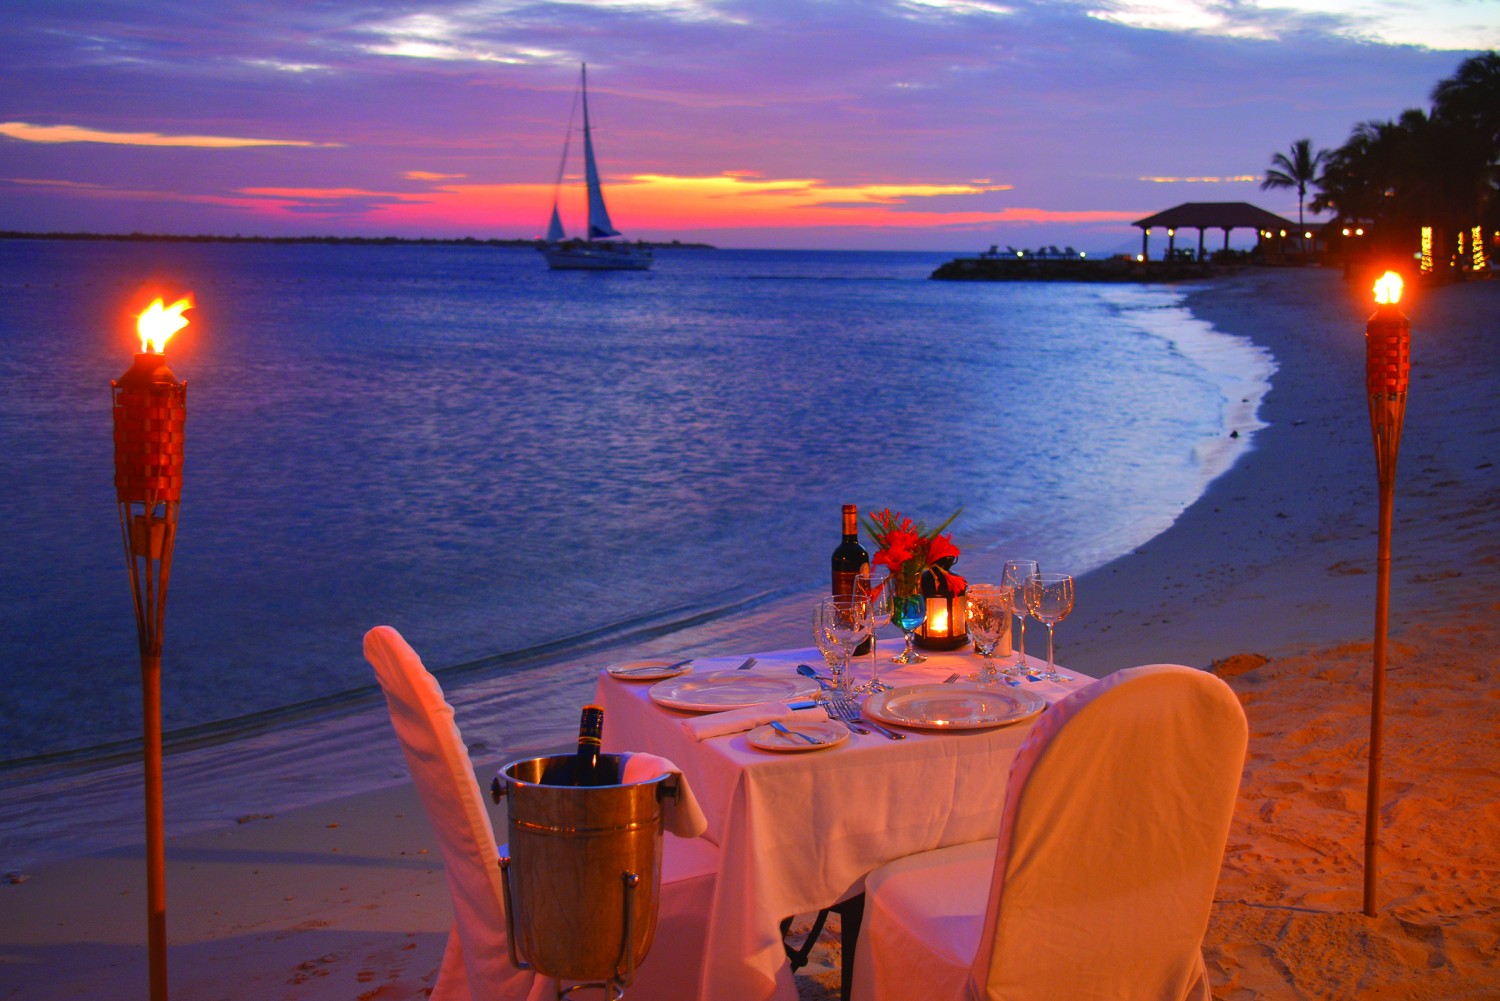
[(719, 690), (953, 707)]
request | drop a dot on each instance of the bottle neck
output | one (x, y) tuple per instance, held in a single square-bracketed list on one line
[(851, 523)]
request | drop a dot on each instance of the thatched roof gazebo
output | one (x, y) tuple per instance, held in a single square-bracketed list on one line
[(1212, 215)]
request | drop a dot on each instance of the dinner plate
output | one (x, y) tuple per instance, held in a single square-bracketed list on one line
[(719, 690), (953, 707), (768, 738), (648, 670)]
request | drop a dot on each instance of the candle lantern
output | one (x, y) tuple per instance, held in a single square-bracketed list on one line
[(150, 415), (946, 626), (1387, 370)]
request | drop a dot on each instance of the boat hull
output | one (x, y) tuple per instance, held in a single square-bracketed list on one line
[(597, 257)]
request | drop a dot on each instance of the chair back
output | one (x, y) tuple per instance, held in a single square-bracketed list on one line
[(440, 768), (1113, 834)]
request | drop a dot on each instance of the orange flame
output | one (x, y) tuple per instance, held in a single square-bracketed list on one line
[(157, 323), (1388, 288)]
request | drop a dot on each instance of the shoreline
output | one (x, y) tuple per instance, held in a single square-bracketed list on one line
[(1269, 575)]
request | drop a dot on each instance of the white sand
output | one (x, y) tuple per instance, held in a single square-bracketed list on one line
[(1270, 575)]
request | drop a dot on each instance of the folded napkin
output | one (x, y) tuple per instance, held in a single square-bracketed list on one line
[(680, 814), (739, 720)]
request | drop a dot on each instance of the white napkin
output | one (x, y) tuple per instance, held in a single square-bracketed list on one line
[(680, 814), (739, 720)]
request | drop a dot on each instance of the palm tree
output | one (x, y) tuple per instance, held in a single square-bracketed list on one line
[(1295, 171)]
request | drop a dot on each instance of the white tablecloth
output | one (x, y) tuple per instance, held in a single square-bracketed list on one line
[(798, 832)]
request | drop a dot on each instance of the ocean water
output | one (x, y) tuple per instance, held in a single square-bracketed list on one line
[(512, 465)]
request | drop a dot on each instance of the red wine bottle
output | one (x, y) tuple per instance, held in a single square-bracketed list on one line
[(851, 565), (588, 767)]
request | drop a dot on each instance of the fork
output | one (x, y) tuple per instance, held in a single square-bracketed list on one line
[(780, 728), (850, 714), (834, 713)]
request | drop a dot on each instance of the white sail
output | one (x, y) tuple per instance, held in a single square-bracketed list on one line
[(596, 252), (599, 224)]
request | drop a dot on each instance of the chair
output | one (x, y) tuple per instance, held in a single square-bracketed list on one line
[(476, 964), (1100, 883)]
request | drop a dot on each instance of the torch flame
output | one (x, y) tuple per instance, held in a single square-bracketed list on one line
[(157, 323), (1388, 288)]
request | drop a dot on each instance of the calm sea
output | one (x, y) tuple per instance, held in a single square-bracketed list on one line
[(510, 464)]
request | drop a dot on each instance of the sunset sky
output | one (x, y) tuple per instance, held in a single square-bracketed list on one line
[(880, 124)]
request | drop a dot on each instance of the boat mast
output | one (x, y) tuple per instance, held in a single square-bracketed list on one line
[(555, 232), (599, 224)]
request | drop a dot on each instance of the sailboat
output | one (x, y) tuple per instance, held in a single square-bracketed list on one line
[(599, 252)]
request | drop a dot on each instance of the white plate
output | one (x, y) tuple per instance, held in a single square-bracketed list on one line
[(953, 707), (768, 738), (719, 690), (647, 670)]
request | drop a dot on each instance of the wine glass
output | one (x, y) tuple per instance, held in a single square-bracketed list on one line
[(1014, 576), (879, 597), (820, 637), (847, 624), (989, 624), (1049, 598), (908, 611)]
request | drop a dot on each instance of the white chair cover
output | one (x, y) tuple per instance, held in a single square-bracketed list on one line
[(476, 964), (1100, 883)]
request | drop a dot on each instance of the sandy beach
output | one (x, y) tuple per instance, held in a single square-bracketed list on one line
[(1268, 579)]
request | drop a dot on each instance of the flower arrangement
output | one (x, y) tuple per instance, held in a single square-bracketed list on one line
[(909, 549)]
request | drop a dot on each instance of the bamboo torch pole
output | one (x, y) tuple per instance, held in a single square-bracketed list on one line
[(1387, 365), (149, 407)]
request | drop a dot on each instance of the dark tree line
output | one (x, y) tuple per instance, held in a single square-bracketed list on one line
[(1437, 168)]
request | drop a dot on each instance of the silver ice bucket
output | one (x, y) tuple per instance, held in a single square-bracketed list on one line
[(584, 869)]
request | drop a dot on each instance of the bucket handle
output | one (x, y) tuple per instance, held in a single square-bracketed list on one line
[(510, 913)]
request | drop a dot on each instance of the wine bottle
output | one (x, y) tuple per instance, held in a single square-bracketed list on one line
[(851, 564), (588, 767)]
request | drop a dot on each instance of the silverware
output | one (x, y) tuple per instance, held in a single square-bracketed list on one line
[(779, 728), (807, 672), (747, 665), (851, 715), (951, 678), (831, 709)]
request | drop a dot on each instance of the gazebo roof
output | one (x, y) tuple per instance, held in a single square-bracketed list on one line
[(1216, 215)]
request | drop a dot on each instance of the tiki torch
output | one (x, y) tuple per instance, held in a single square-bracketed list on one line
[(150, 413), (1387, 364)]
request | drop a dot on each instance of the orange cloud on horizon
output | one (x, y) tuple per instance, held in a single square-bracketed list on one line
[(78, 134)]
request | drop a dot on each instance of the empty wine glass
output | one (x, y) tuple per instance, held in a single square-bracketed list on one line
[(847, 624), (1014, 576), (1049, 598), (989, 624), (820, 637), (880, 615)]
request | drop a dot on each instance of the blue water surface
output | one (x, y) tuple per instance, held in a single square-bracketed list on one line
[(492, 456)]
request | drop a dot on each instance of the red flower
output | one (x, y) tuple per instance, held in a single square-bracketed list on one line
[(941, 547), (898, 547)]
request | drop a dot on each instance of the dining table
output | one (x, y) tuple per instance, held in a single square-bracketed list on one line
[(798, 832)]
